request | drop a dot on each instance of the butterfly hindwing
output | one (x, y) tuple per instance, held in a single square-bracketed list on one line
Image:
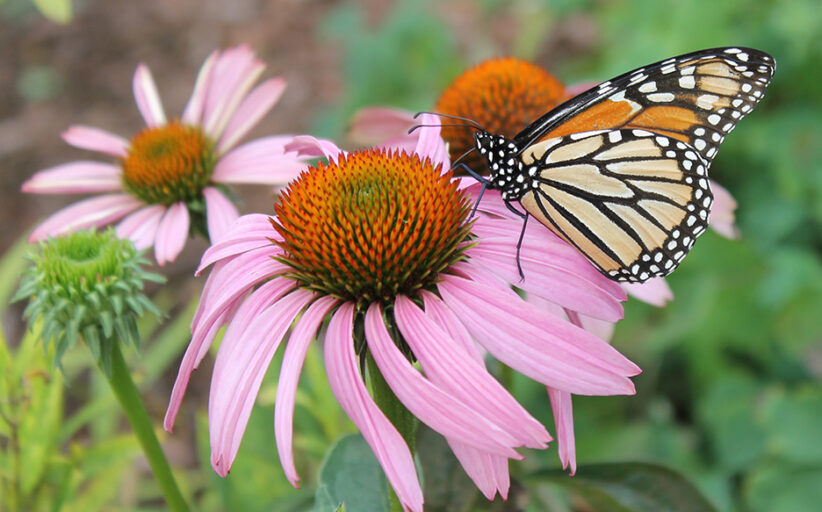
[(696, 98), (632, 201)]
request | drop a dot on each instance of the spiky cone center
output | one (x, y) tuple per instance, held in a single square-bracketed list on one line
[(503, 95), (372, 225), (168, 164), (87, 284)]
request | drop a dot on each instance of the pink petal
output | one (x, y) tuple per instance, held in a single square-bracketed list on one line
[(452, 369), (430, 144), (193, 112), (564, 422), (264, 161), (95, 139), (228, 97), (172, 233), (220, 213), (231, 67), (432, 405), (654, 291), (540, 346), (148, 100), (722, 216), (238, 372), (346, 383), (293, 359), (256, 105), (203, 334), (93, 212), (248, 232), (81, 177), (313, 147), (372, 126), (437, 311), (488, 472), (141, 226)]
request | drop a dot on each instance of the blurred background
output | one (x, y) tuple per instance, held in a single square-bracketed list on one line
[(731, 394)]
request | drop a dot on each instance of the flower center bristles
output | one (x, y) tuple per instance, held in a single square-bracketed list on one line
[(371, 226), (503, 95), (168, 164)]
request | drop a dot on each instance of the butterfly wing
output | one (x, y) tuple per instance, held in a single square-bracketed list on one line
[(632, 201), (696, 98)]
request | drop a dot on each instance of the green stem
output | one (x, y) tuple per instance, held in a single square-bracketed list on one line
[(129, 398), (397, 414)]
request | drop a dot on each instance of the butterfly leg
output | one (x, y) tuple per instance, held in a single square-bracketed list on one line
[(477, 177), (524, 217)]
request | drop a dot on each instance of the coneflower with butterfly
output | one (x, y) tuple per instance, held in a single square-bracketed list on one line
[(620, 171)]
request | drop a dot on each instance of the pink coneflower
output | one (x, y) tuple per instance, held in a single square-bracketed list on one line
[(379, 243), (171, 176)]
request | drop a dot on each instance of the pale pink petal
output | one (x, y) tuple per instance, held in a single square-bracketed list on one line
[(172, 233), (256, 105), (141, 226), (194, 109), (313, 147), (220, 213), (204, 333), (430, 144), (83, 177), (654, 291), (372, 126), (262, 161), (95, 139), (437, 311), (722, 218), (452, 369), (489, 472), (227, 99), (543, 347), (239, 369), (564, 422), (93, 212), (148, 100), (342, 366), (293, 359), (245, 234), (433, 406), (231, 68)]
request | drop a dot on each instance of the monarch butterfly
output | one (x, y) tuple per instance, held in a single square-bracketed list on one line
[(620, 171)]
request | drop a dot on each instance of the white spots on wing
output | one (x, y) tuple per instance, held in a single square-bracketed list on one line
[(670, 154), (662, 141), (714, 118), (687, 82), (728, 127), (699, 144), (688, 70), (690, 155), (647, 87), (736, 102), (707, 101), (732, 50), (742, 56), (668, 69), (614, 136), (699, 131), (746, 87), (661, 97), (687, 164), (638, 78)]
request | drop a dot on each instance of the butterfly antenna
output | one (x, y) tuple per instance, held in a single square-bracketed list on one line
[(417, 126), (459, 159), (458, 118)]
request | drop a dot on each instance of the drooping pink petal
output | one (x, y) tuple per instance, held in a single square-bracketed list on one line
[(93, 212), (247, 233), (95, 139), (437, 311), (220, 213), (83, 177), (253, 108), (293, 359), (346, 383), (312, 147), (722, 218), (452, 369), (141, 226), (239, 369), (654, 291), (263, 161), (430, 144), (433, 406), (147, 98), (489, 472), (564, 422), (373, 126), (543, 347), (172, 233), (194, 108)]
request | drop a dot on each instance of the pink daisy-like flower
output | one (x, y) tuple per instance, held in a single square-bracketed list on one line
[(379, 243), (171, 176)]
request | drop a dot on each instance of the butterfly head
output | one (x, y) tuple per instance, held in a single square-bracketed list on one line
[(502, 157)]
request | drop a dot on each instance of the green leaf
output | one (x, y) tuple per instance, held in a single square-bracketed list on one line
[(447, 486), (631, 487), (352, 476), (784, 488), (58, 11)]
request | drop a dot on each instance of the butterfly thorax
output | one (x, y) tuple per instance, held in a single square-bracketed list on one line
[(508, 173)]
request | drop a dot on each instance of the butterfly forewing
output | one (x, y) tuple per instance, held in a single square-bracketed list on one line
[(695, 98), (632, 201)]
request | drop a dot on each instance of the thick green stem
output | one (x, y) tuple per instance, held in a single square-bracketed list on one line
[(400, 417), (129, 398)]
